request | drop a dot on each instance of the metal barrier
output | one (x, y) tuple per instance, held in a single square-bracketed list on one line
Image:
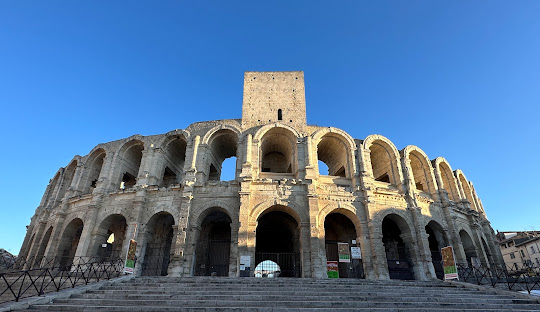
[(62, 274), (515, 278)]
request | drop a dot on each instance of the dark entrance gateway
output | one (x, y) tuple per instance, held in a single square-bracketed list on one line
[(214, 245), (278, 240), (339, 229), (397, 253), (436, 242)]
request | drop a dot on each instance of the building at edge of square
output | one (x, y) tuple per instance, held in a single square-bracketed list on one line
[(398, 206)]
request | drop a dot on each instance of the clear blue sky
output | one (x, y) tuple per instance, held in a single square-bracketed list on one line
[(459, 79)]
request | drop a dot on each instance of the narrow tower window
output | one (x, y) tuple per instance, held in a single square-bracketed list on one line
[(279, 114)]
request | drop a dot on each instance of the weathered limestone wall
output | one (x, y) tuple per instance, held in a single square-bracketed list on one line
[(174, 182)]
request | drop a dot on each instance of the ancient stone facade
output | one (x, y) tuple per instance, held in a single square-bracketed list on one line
[(398, 206)]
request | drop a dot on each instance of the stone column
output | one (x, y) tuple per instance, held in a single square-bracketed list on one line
[(233, 255), (316, 238), (305, 244), (177, 266), (244, 230), (416, 257), (87, 245), (35, 245), (52, 250)]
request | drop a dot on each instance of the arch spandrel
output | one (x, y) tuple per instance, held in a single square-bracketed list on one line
[(335, 132), (201, 211), (378, 217), (210, 133), (290, 208), (129, 144), (345, 209), (170, 136), (260, 133), (153, 211)]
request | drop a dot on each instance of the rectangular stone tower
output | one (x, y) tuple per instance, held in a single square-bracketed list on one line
[(274, 97)]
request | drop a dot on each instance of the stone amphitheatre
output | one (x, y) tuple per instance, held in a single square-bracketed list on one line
[(398, 206)]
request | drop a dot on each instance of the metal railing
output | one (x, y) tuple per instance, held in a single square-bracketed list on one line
[(60, 273), (516, 278)]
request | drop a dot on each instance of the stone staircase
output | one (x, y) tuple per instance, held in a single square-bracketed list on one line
[(288, 294)]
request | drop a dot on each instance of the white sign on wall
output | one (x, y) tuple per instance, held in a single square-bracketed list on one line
[(356, 253), (245, 262)]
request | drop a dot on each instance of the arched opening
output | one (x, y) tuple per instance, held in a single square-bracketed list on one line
[(333, 153), (469, 249), (110, 237), (174, 159), (467, 191), (421, 172), (39, 261), (340, 236), (69, 172), (448, 182), (279, 114), (222, 146), (130, 163), (69, 242), (382, 163), (436, 241), (489, 258), (158, 237), (398, 255), (93, 170), (214, 245), (278, 240), (278, 151), (51, 189)]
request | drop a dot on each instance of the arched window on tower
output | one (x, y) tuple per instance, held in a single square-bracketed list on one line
[(279, 114)]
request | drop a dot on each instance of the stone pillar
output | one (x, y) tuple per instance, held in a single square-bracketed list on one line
[(305, 244), (177, 266), (27, 244), (150, 172), (76, 187), (143, 237), (493, 244), (190, 250), (412, 246), (316, 237), (35, 245), (477, 239), (311, 166), (380, 264), (195, 149), (233, 255), (52, 250), (87, 244), (245, 237)]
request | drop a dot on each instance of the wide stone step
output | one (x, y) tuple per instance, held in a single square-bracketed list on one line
[(287, 281), (242, 287), (270, 309), (210, 302), (151, 295), (276, 295), (312, 297)]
